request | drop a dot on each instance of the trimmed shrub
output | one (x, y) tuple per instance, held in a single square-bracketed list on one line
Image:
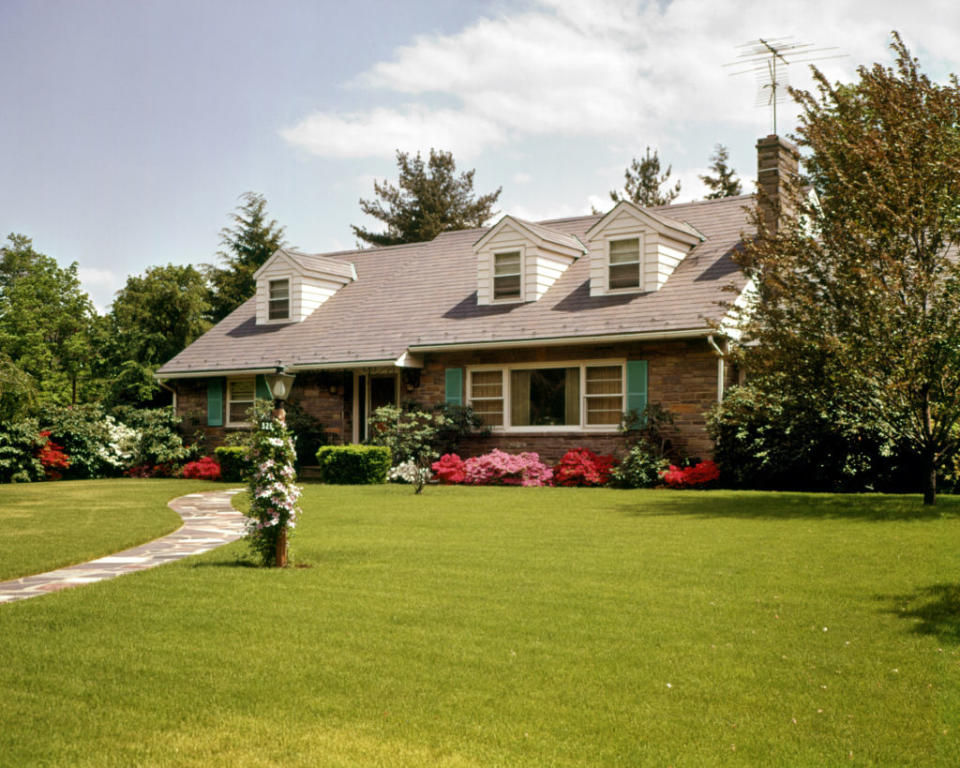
[(583, 467), (698, 476), (354, 464), (206, 468), (234, 461)]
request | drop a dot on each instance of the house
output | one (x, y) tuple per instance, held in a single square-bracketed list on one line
[(550, 330)]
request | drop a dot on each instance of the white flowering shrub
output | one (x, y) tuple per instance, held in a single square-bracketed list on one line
[(121, 443), (274, 495), (409, 472)]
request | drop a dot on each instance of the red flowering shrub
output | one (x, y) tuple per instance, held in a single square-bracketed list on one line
[(52, 457), (449, 469), (697, 476), (582, 466), (206, 468)]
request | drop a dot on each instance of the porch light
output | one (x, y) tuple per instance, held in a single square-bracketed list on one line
[(280, 384)]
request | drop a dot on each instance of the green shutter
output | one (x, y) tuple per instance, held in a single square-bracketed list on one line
[(453, 391), (636, 386), (215, 402), (263, 391)]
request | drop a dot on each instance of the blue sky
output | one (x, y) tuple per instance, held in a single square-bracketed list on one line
[(131, 127)]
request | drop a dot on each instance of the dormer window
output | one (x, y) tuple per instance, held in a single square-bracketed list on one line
[(279, 307), (624, 264), (506, 276)]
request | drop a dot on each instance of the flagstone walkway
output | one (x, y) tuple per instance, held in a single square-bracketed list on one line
[(209, 521)]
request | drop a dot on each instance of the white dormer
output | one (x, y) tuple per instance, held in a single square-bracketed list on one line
[(635, 250), (290, 285), (518, 261)]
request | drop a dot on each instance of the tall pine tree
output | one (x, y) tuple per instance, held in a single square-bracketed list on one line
[(724, 181), (645, 185)]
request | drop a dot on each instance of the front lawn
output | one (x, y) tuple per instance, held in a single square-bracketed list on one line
[(44, 526), (513, 627)]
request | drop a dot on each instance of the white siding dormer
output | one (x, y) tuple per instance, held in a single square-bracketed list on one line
[(542, 254), (629, 232), (291, 285)]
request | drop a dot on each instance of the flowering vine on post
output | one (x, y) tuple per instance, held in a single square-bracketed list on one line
[(273, 493)]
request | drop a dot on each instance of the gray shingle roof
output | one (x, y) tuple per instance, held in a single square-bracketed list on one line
[(425, 294)]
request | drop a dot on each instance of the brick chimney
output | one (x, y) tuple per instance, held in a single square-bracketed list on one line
[(778, 169)]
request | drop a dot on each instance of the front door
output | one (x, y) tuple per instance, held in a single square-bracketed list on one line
[(372, 391)]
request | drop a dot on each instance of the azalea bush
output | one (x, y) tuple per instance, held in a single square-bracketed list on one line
[(52, 458), (206, 468), (274, 495), (583, 467), (698, 476), (494, 468)]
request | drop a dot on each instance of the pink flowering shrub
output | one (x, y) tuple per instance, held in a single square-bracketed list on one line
[(582, 466), (697, 476), (500, 468), (449, 469), (207, 468)]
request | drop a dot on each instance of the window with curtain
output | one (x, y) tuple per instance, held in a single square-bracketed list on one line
[(625, 263), (240, 397), (545, 397), (506, 275), (486, 396), (279, 305), (604, 394)]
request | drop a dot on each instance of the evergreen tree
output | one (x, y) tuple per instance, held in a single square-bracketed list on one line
[(858, 293), (644, 183), (724, 182), (428, 199), (246, 246)]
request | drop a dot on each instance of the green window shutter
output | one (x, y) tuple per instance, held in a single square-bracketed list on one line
[(215, 402), (263, 391), (453, 390), (636, 386)]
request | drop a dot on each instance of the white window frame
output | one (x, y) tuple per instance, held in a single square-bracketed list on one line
[(582, 426), (493, 275), (270, 300), (227, 399), (616, 239)]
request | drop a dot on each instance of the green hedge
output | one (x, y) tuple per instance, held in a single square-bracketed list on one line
[(233, 462), (354, 464)]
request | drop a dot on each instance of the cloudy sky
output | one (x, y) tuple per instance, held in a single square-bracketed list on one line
[(131, 127)]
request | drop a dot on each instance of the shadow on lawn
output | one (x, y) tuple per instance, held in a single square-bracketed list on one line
[(935, 610), (790, 506)]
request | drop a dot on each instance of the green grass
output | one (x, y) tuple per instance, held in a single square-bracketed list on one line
[(513, 627), (44, 526)]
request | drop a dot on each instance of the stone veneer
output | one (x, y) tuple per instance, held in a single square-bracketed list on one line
[(682, 377)]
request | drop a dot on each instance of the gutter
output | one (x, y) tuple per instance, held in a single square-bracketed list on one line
[(556, 341), (720, 366), (161, 377)]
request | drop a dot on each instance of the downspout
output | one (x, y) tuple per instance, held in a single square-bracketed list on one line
[(720, 366)]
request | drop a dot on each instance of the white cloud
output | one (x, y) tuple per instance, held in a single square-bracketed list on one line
[(100, 285), (616, 71), (522, 178)]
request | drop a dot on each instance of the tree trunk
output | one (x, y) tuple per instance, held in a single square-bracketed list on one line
[(929, 481)]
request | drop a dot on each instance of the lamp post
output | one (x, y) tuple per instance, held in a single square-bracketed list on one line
[(280, 384)]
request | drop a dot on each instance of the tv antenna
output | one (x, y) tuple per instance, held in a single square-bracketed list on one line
[(769, 60)]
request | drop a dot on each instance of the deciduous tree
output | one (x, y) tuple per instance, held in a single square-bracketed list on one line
[(429, 198)]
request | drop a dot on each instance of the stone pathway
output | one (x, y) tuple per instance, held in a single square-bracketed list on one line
[(209, 521)]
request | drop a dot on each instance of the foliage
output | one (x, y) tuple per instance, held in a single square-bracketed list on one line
[(724, 182), (246, 246), (700, 475), (153, 317), (45, 321), (307, 431), (500, 468), (20, 447), (778, 438), (652, 426), (583, 467), (411, 473), (354, 464), (450, 469), (234, 462), (428, 199), (411, 436), (206, 468), (18, 391), (52, 458), (152, 470), (643, 183), (158, 439), (97, 444), (642, 467), (461, 422), (273, 492), (857, 296)]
